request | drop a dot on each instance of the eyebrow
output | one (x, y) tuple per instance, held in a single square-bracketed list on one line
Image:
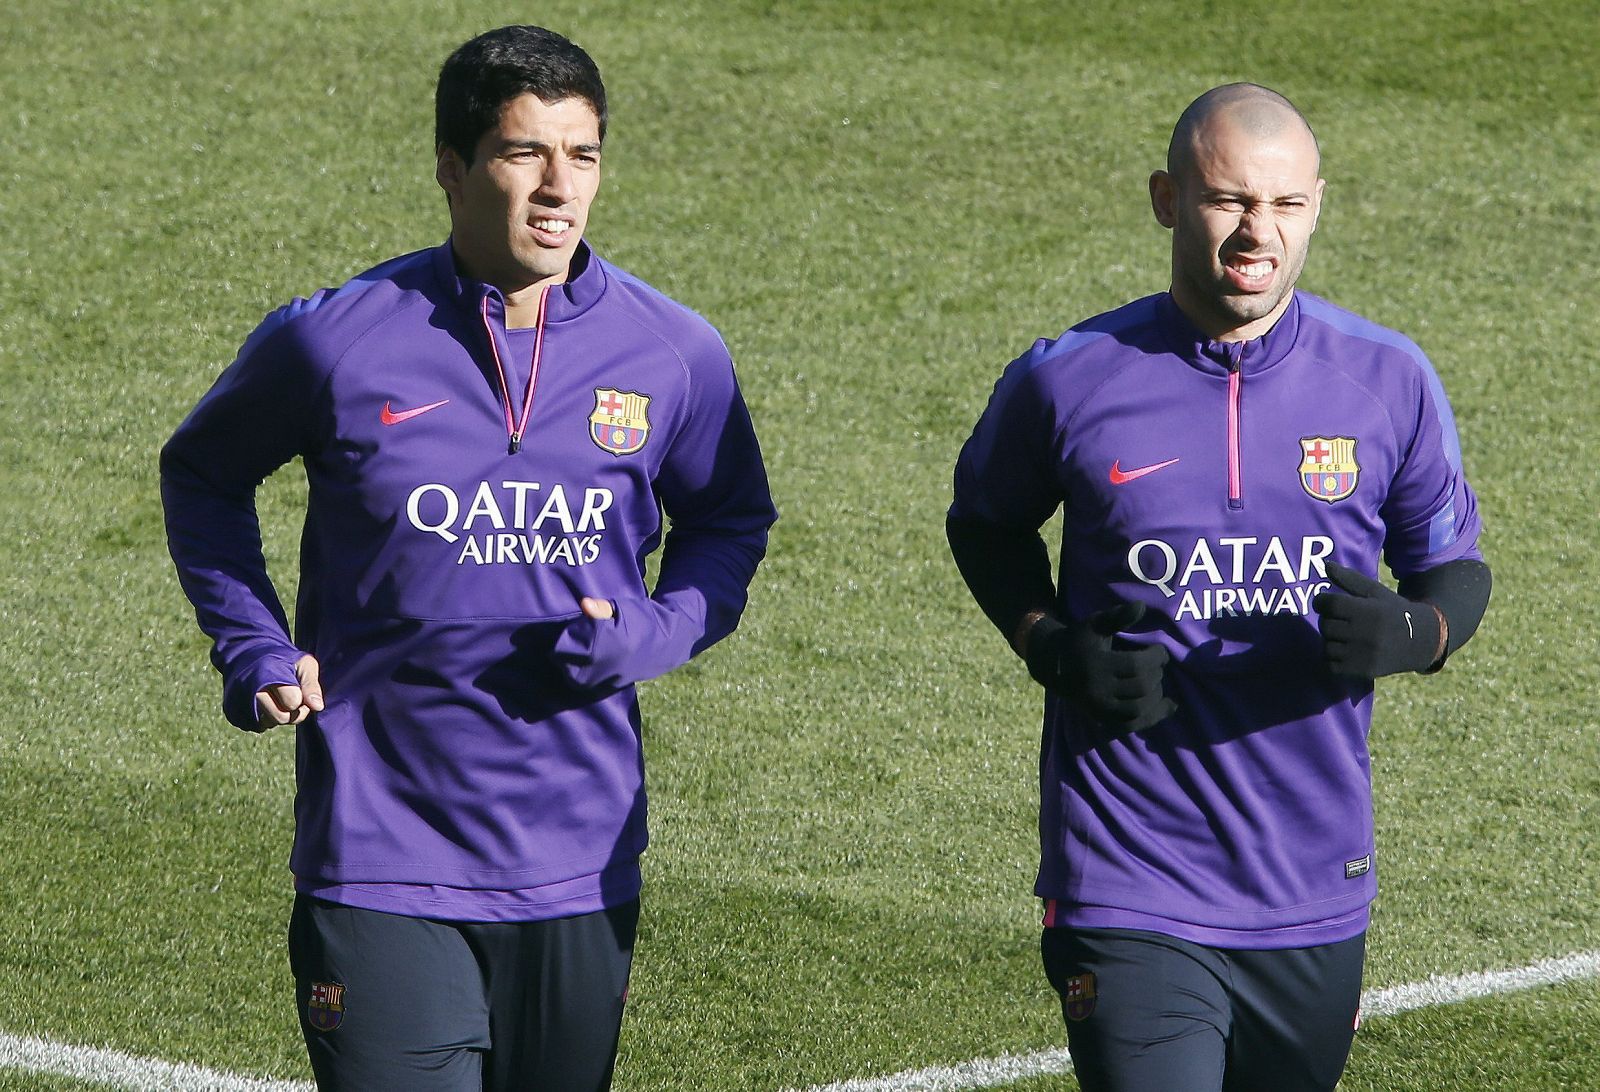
[(1210, 192), (589, 147)]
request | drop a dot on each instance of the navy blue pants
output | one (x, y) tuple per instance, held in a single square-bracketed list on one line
[(398, 1004), (1146, 1012)]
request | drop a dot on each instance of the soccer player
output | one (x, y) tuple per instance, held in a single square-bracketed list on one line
[(491, 431), (1231, 458)]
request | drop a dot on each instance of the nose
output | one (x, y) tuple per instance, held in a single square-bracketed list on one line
[(558, 185), (1255, 223)]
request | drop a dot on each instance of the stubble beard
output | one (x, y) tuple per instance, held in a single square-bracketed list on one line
[(1229, 309), (539, 264)]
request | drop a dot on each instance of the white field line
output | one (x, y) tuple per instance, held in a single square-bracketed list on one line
[(134, 1074), (125, 1071), (1441, 990)]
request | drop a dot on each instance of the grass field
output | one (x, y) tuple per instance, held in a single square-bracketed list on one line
[(878, 204)]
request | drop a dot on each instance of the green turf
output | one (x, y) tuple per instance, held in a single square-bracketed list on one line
[(878, 205), (26, 1081)]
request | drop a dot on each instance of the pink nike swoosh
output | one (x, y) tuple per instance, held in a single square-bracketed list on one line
[(1120, 476), (389, 417)]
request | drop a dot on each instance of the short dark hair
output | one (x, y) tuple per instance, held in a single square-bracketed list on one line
[(480, 77)]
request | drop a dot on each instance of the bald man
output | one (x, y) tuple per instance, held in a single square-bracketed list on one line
[(1231, 458)]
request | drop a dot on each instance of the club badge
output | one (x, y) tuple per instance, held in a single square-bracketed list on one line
[(325, 1005), (1328, 468), (1078, 1001), (620, 422)]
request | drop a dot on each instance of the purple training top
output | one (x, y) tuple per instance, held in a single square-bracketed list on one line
[(479, 757), (1212, 483)]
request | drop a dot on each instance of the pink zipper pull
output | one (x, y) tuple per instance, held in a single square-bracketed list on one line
[(1235, 391), (515, 428)]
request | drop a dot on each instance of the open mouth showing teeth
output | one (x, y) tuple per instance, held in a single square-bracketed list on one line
[(554, 227), (1254, 269)]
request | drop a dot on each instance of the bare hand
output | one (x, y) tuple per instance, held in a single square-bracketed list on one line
[(598, 609), (287, 704)]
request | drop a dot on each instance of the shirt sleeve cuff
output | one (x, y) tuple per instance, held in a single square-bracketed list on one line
[(239, 692)]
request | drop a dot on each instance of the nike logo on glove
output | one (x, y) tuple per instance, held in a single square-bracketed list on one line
[(1120, 476), (389, 417)]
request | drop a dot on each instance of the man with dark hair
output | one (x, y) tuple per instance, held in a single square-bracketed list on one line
[(491, 432), (1231, 457)]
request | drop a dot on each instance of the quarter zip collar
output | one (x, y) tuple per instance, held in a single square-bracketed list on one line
[(585, 284), (516, 426), (1219, 358), (1234, 362)]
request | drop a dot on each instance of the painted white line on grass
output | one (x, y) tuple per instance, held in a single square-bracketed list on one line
[(127, 1072), (1441, 990), (1448, 989), (134, 1074), (982, 1073)]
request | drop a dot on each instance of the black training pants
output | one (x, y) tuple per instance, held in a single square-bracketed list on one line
[(1149, 1012), (398, 1004)]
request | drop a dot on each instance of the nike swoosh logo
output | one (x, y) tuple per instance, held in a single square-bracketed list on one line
[(1120, 476), (389, 417)]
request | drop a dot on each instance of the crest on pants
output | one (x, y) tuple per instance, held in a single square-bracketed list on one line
[(620, 422), (1077, 1000), (325, 1005), (1328, 468)]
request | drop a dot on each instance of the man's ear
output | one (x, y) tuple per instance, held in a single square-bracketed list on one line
[(1164, 198), (449, 171)]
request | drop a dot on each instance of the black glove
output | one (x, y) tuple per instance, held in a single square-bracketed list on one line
[(1119, 687), (1372, 631)]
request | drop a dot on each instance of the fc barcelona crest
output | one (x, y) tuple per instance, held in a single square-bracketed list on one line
[(1328, 468), (325, 1005), (620, 422), (1078, 1001)]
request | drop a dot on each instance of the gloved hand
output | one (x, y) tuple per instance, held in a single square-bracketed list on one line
[(1119, 687), (1371, 631)]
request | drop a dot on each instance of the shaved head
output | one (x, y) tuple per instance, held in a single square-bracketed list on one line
[(1241, 194), (1249, 108)]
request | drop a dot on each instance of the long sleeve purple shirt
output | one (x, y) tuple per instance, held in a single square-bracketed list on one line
[(479, 756), (1213, 483)]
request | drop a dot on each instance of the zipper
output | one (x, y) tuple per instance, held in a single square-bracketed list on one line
[(1235, 394), (516, 428)]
